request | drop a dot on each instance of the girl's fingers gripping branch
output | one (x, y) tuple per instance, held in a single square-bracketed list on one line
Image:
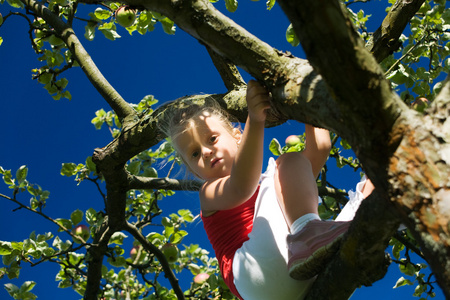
[(258, 101)]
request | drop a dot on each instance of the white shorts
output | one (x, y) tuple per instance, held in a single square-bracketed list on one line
[(260, 265), (355, 199)]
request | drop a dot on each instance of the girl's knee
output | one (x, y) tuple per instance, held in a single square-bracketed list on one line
[(292, 159)]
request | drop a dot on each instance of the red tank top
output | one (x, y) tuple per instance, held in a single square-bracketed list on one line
[(227, 230)]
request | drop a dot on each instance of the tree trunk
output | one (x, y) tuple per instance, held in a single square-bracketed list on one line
[(411, 168)]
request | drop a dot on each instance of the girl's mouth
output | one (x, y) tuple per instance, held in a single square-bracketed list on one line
[(214, 162)]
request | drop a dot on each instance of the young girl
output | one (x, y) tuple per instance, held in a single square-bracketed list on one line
[(265, 229)]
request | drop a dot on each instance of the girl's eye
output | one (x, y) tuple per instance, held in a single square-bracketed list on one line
[(213, 139), (195, 154)]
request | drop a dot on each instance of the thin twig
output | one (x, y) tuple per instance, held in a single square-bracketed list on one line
[(44, 216)]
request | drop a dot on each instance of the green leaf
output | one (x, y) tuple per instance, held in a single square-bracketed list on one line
[(91, 216), (291, 37), (231, 5), (68, 169), (14, 270), (62, 83), (102, 14), (275, 147), (345, 144), (397, 248), (76, 216), (110, 34), (152, 236), (21, 173), (134, 167), (419, 290), (15, 3), (401, 282), (168, 26), (27, 286), (91, 165), (117, 238), (44, 237), (270, 4), (65, 284), (117, 261), (56, 97), (89, 31), (178, 236), (407, 268), (7, 177), (9, 259), (166, 222), (145, 18), (109, 31), (150, 172), (11, 289), (67, 224), (5, 248), (67, 95), (186, 215), (168, 231)]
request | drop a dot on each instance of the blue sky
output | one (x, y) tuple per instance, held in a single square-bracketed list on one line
[(42, 133)]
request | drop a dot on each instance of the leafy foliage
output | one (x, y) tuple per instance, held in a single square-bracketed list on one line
[(423, 59)]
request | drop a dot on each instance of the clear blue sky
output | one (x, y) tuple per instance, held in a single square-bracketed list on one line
[(42, 133)]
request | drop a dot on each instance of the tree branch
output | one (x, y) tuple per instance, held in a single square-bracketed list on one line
[(96, 253), (319, 30), (42, 215), (361, 259), (148, 183), (229, 73), (123, 110), (159, 255), (385, 40)]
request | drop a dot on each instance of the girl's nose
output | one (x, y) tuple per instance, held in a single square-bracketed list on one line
[(207, 152)]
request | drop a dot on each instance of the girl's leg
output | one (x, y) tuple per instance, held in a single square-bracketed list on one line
[(295, 186), (367, 188), (314, 242)]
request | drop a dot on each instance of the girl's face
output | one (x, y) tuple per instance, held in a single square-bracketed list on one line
[(207, 147)]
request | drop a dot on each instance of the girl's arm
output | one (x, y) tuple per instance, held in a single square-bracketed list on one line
[(239, 186), (318, 146)]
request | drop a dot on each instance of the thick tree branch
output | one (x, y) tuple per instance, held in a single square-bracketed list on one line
[(361, 260), (291, 80), (96, 253), (420, 185), (385, 40), (228, 72), (409, 171), (148, 183), (200, 19), (367, 103), (123, 110)]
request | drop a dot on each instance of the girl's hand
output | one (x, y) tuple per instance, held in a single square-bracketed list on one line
[(258, 101)]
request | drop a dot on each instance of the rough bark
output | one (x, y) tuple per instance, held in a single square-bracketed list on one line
[(412, 166), (385, 39)]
